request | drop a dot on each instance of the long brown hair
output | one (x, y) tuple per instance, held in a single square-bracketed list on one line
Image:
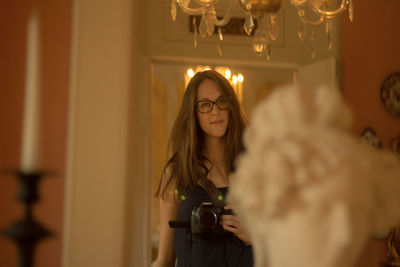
[(186, 163)]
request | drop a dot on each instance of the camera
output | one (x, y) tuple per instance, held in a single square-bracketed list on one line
[(204, 219)]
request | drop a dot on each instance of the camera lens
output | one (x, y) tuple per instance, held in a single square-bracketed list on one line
[(207, 218)]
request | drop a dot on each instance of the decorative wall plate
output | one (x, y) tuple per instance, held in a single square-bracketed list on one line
[(390, 93), (368, 135)]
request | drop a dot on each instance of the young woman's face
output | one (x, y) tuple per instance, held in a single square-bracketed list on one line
[(209, 98)]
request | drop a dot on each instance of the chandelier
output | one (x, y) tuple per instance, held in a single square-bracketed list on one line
[(265, 14)]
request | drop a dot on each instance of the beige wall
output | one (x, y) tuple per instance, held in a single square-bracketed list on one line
[(370, 52), (55, 19)]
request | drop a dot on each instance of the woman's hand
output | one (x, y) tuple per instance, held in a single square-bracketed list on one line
[(232, 224)]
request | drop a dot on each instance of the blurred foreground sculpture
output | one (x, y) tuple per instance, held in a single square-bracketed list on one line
[(308, 191)]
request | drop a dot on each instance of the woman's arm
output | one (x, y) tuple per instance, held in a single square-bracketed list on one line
[(168, 211)]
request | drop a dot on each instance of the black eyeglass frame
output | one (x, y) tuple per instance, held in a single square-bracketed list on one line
[(213, 103)]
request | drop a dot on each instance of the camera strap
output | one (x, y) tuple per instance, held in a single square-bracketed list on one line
[(216, 197)]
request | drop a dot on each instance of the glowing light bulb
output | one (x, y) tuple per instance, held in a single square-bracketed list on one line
[(228, 73), (234, 79), (190, 73), (240, 78)]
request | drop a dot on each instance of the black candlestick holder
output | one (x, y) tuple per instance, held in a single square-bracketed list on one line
[(27, 232)]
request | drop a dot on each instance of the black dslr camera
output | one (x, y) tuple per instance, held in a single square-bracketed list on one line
[(205, 219)]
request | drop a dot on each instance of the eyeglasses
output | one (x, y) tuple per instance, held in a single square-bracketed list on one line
[(205, 106)]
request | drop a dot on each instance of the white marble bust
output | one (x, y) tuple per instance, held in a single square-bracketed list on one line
[(307, 190)]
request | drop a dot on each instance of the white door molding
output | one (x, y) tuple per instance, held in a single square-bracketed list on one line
[(97, 223)]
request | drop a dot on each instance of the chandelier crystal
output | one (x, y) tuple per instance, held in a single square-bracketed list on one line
[(265, 12)]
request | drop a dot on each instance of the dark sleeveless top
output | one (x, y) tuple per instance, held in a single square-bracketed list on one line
[(207, 249)]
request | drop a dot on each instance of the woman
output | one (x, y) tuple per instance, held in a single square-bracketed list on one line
[(205, 139)]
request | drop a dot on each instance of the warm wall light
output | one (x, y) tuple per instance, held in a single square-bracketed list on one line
[(228, 73), (190, 73), (240, 77), (240, 87), (235, 80)]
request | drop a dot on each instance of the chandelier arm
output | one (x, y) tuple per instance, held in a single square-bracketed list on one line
[(191, 11), (330, 14), (311, 22), (227, 17)]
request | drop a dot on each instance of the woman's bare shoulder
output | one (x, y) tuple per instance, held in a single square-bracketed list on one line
[(167, 184)]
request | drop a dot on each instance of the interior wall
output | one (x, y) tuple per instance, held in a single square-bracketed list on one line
[(55, 28), (370, 52)]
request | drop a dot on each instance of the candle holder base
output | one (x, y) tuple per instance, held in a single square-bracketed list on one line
[(27, 232)]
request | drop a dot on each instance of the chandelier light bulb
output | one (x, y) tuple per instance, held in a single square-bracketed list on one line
[(190, 73), (240, 77), (228, 74), (234, 79)]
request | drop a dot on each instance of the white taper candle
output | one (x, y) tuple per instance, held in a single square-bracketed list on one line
[(30, 155)]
